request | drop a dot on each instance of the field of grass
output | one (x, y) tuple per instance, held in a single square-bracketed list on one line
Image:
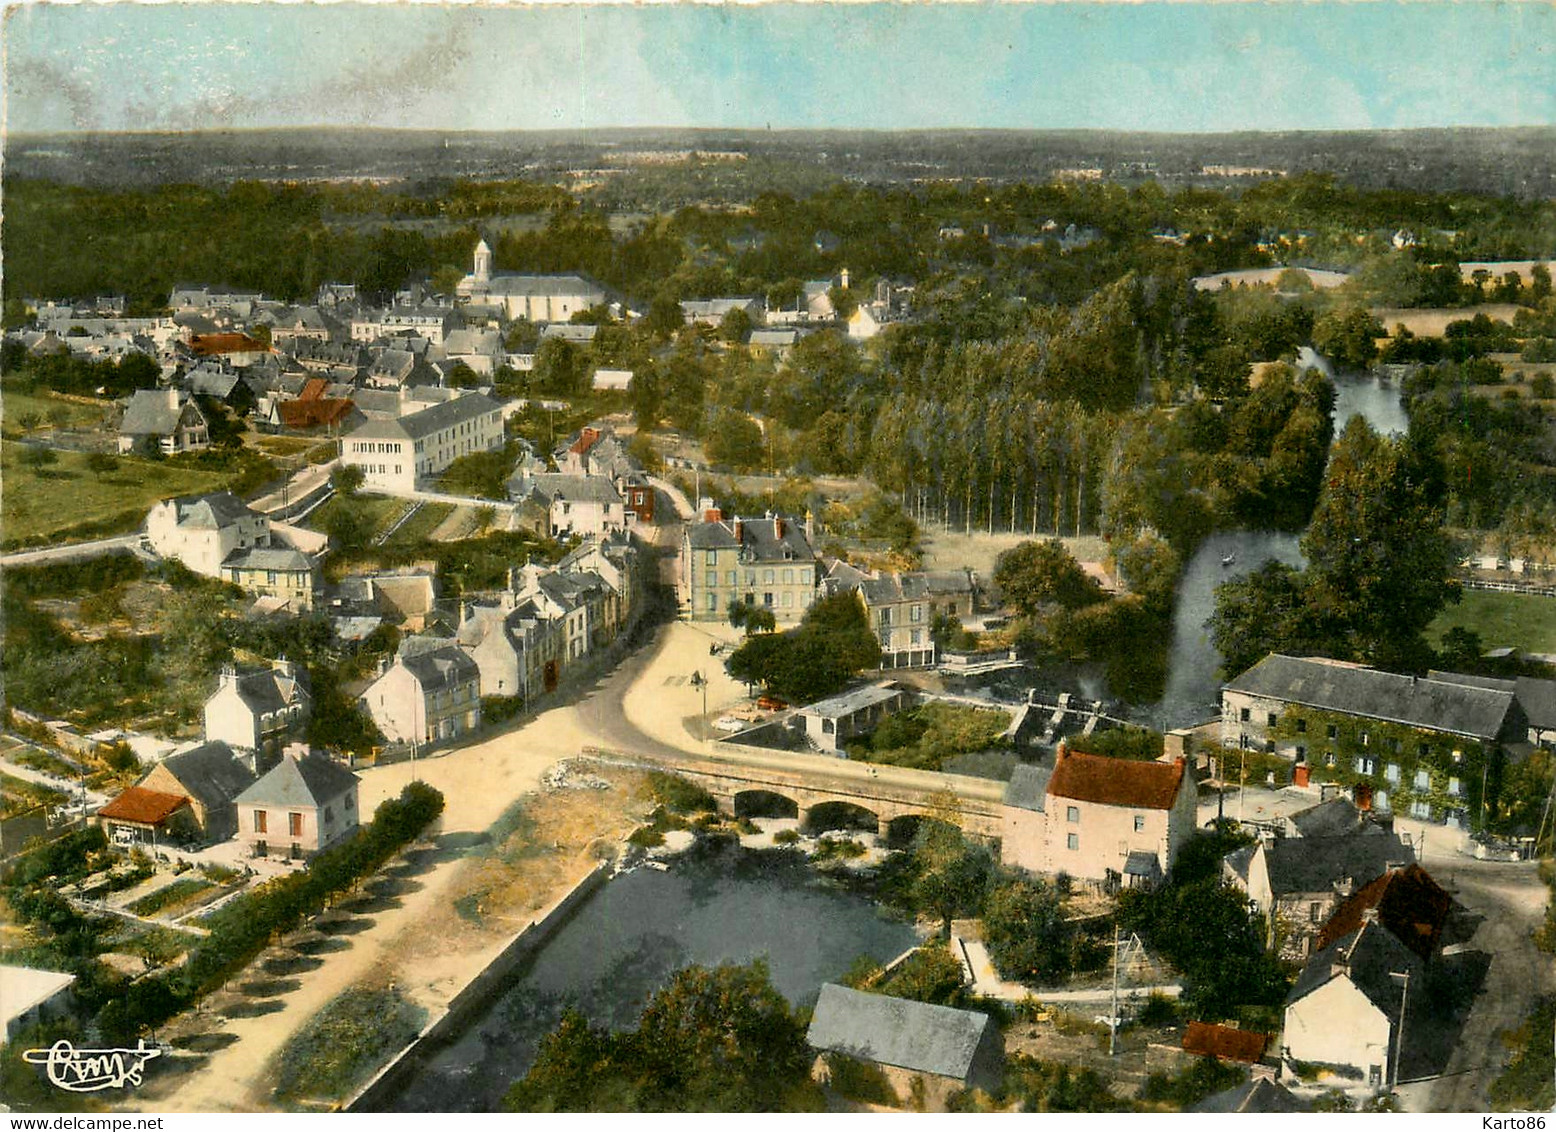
[(67, 501), (345, 1043), (52, 412), (1521, 621), (428, 518), (380, 511), (284, 445)]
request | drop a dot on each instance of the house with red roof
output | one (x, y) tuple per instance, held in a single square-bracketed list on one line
[(147, 816), (1114, 821)]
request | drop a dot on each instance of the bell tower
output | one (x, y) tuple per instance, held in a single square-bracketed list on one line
[(483, 263)]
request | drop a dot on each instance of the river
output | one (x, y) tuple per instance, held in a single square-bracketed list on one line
[(712, 906), (1193, 680)]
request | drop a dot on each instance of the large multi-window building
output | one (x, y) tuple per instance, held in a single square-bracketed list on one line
[(1429, 748), (395, 454), (767, 563)]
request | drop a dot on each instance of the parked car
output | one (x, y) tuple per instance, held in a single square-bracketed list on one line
[(730, 723), (771, 703)]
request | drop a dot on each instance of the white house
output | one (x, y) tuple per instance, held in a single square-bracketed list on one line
[(202, 531), (395, 454), (254, 710), (574, 505), (431, 692), (166, 416), (305, 803), (1118, 821)]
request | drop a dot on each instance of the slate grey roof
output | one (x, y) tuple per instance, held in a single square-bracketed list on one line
[(309, 781), (758, 539), (1259, 1095), (1028, 787), (270, 690), (578, 332), (433, 419), (1367, 956), (210, 774), (213, 383), (1459, 709), (441, 668), (1238, 860), (1536, 697), (897, 1031), (1334, 818), (779, 337), (1316, 864), (150, 414), (575, 489), (486, 343), (269, 558), (505, 284), (211, 512), (1141, 863)]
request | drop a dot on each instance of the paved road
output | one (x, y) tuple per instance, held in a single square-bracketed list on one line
[(71, 551), (1511, 899)]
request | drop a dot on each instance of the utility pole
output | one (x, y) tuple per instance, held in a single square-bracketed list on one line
[(1113, 1011), (1399, 1033)]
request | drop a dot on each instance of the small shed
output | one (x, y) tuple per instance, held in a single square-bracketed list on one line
[(1224, 1043), (832, 722), (29, 996), (945, 1049), (140, 815)]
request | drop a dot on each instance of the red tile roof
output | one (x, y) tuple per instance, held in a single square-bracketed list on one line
[(313, 389), (1115, 782), (1407, 901), (315, 412), (145, 807), (1205, 1039), (208, 344), (586, 440)]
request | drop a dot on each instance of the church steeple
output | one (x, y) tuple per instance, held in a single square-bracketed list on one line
[(483, 262)]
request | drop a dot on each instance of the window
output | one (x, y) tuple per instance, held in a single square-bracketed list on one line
[(329, 813), (767, 600), (1420, 809), (916, 613), (1364, 738), (729, 578), (1270, 718), (788, 599), (294, 824), (713, 558), (1072, 841), (1269, 746), (1244, 715), (1423, 750), (1458, 757), (1423, 779), (1396, 746), (1301, 753), (1072, 813), (767, 577), (1315, 912), (1139, 823), (1301, 727), (1455, 787), (1329, 758), (788, 577), (915, 636), (713, 602), (1334, 732), (259, 822), (1380, 801), (1365, 765), (884, 616), (1391, 772)]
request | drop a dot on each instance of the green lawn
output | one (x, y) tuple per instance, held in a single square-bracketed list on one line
[(65, 500), (427, 519), (1520, 621), (51, 412), (379, 511)]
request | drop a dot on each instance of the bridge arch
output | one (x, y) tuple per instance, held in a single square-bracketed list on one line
[(826, 816), (764, 804)]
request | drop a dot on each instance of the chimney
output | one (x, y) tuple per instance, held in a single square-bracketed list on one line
[(778, 526), (295, 751), (712, 515), (283, 666), (843, 278), (171, 394), (229, 676), (810, 524), (464, 611), (740, 529)]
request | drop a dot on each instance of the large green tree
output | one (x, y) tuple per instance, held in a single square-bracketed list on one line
[(712, 1040), (1037, 574)]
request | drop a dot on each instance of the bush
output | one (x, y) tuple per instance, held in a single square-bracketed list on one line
[(1204, 1078), (786, 837), (646, 838), (861, 1081), (679, 795)]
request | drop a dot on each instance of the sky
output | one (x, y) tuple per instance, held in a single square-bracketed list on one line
[(1158, 66)]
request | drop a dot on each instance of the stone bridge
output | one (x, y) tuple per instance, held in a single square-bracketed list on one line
[(826, 793)]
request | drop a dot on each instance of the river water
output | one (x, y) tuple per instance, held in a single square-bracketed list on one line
[(713, 906), (1194, 681)]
